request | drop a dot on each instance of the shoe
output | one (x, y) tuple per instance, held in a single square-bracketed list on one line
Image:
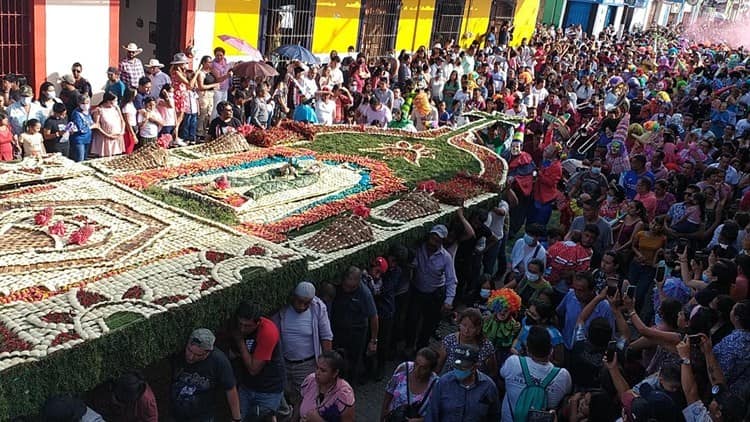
[(180, 142)]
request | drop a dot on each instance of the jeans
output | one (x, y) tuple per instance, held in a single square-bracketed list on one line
[(495, 262), (354, 342), (79, 152), (254, 403), (188, 127), (539, 213), (642, 276)]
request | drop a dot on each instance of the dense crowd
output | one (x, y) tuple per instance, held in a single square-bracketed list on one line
[(624, 295)]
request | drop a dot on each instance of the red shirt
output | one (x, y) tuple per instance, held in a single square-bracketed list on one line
[(567, 256), (545, 189)]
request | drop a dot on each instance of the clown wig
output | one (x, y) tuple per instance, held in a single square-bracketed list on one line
[(504, 299)]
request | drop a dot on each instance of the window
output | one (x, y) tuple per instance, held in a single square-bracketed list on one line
[(286, 22), (502, 11), (446, 25), (377, 32), (15, 37)]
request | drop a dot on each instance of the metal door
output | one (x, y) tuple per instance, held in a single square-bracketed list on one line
[(446, 24), (15, 37), (578, 13), (378, 26), (286, 22)]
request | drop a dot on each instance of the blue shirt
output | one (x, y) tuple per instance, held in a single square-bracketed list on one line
[(731, 352), (82, 132), (554, 333), (570, 308), (629, 179), (435, 271), (117, 89), (451, 401), (305, 113)]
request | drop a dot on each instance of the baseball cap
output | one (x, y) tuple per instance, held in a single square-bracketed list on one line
[(466, 355), (26, 91), (68, 79), (305, 290), (440, 230), (203, 338), (380, 263)]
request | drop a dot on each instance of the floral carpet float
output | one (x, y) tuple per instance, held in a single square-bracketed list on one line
[(100, 272)]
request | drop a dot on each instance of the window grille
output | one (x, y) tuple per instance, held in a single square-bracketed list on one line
[(15, 37), (447, 21), (286, 22), (502, 11), (377, 32)]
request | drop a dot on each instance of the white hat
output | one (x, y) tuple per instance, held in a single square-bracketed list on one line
[(179, 58), (440, 230), (133, 47), (154, 63)]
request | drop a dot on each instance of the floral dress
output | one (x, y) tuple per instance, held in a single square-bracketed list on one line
[(181, 97), (450, 342), (397, 388)]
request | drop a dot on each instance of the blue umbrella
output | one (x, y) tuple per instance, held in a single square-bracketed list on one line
[(296, 52)]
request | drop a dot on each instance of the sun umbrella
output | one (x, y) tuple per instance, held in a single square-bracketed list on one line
[(296, 52), (254, 69), (243, 46)]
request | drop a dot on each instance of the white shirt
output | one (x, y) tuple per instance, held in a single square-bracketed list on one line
[(496, 222), (512, 374), (522, 254), (296, 335), (325, 110), (383, 115), (337, 77), (541, 94)]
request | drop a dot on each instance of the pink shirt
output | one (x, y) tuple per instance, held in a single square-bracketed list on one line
[(649, 201), (333, 403)]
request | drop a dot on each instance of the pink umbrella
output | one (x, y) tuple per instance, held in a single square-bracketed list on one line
[(241, 45)]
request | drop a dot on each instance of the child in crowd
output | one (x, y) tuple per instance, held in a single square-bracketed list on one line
[(31, 140)]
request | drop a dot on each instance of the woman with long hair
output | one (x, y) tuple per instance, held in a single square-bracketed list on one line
[(206, 83), (48, 97), (129, 113), (181, 84)]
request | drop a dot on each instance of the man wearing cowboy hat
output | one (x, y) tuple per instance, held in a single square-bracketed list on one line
[(158, 78), (131, 68)]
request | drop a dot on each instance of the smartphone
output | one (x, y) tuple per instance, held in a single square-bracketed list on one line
[(611, 350), (611, 291), (540, 416), (681, 244), (701, 257), (631, 292), (659, 274), (695, 339)]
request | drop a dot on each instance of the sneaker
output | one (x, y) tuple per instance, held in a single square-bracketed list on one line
[(180, 142)]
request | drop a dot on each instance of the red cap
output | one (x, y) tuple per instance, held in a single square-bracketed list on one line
[(380, 263)]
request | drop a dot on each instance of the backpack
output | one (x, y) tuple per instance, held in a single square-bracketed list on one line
[(534, 395)]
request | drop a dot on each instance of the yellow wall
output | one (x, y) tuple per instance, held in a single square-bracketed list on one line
[(239, 18), (336, 25), (476, 21), (415, 24), (524, 20)]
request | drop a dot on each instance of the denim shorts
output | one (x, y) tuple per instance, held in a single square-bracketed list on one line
[(256, 403)]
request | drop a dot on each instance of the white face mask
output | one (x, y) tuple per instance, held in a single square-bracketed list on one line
[(85, 107), (51, 94), (25, 100)]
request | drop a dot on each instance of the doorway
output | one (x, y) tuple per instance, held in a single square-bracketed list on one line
[(377, 30), (155, 26)]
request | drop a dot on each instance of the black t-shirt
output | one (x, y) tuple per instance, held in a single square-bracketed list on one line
[(585, 364), (350, 311), (219, 127), (466, 248), (194, 385), (54, 125)]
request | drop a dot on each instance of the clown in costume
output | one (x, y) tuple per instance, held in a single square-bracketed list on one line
[(501, 328), (617, 153), (521, 169)]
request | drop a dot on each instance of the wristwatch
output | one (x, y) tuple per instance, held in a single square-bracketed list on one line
[(685, 361)]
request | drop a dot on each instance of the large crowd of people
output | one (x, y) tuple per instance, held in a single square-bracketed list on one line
[(609, 282)]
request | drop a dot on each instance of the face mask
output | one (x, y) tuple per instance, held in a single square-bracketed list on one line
[(461, 374), (705, 278), (528, 239), (484, 293), (25, 100), (532, 277), (85, 107), (51, 94), (596, 170)]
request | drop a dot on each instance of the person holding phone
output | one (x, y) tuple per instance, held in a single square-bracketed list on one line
[(646, 247)]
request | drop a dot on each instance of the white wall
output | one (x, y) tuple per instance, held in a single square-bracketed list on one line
[(78, 32), (601, 16), (129, 30), (640, 14), (204, 29)]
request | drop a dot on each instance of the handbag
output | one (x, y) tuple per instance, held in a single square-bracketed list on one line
[(408, 410)]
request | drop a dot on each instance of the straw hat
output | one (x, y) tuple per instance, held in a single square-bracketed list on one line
[(179, 58), (133, 47), (154, 63)]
